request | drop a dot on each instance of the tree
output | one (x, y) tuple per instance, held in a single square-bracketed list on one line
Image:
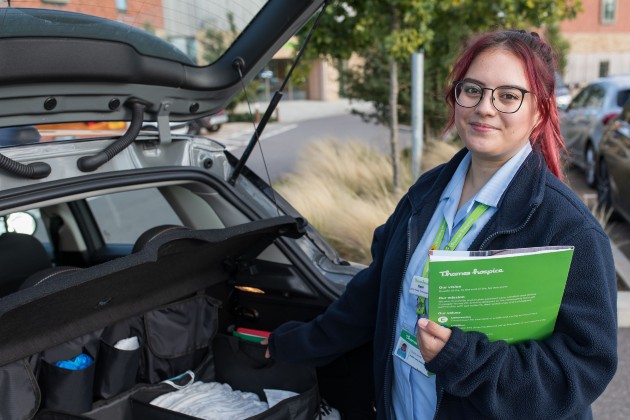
[(214, 44), (386, 32), (383, 31), (559, 44)]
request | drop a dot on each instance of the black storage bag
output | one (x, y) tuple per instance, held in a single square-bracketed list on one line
[(19, 393), (58, 415), (142, 409), (178, 337), (66, 390), (116, 369), (243, 366)]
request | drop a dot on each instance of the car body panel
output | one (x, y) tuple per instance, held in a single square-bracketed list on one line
[(39, 64), (615, 155), (583, 123)]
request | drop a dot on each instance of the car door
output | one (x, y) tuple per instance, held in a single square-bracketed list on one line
[(571, 124), (617, 144), (593, 108)]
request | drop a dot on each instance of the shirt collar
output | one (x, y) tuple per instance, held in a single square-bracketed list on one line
[(453, 189), (490, 194)]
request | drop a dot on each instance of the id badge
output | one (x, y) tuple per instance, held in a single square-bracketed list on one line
[(407, 350), (419, 286)]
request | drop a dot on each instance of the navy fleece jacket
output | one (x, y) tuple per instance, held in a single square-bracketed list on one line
[(556, 378)]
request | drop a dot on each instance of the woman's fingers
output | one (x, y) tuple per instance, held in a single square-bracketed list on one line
[(431, 338), (265, 342)]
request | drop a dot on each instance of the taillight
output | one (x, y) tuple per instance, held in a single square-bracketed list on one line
[(607, 118)]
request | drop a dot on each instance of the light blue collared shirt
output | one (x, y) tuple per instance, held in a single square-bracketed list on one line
[(413, 393)]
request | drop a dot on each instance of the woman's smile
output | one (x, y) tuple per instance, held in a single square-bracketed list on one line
[(483, 127)]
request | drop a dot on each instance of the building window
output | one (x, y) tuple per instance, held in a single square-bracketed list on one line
[(603, 68), (608, 11), (121, 5)]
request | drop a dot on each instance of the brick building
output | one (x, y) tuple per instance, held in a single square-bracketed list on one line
[(600, 41), (139, 13)]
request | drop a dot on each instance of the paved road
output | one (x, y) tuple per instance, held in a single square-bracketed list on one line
[(614, 404), (282, 143)]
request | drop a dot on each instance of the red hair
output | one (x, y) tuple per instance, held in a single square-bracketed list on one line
[(538, 62)]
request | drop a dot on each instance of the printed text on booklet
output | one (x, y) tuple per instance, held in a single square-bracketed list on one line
[(508, 296)]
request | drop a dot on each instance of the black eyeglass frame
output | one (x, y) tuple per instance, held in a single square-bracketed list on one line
[(483, 89)]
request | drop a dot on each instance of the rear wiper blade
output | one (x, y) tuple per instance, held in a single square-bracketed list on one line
[(238, 64)]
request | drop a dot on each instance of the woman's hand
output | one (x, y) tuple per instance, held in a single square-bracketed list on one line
[(265, 342), (431, 338)]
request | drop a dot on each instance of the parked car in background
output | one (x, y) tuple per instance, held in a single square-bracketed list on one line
[(613, 167), (583, 123), (212, 122), (180, 127), (563, 94)]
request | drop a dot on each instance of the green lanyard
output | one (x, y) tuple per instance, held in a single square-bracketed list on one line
[(452, 244)]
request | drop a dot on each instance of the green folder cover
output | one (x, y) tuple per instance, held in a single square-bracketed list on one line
[(512, 295)]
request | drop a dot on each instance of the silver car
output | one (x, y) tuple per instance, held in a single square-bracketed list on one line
[(613, 169), (131, 259), (563, 94), (583, 123)]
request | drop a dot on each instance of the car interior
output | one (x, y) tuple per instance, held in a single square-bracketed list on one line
[(181, 237), (147, 254)]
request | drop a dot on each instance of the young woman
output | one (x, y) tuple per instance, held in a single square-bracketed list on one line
[(508, 175)]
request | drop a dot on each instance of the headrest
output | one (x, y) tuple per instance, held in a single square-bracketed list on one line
[(20, 256), (154, 233)]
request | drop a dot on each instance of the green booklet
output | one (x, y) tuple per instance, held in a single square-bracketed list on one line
[(512, 295)]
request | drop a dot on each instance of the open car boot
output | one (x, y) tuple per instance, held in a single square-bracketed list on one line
[(141, 267)]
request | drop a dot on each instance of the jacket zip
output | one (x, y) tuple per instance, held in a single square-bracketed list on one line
[(387, 388), (439, 401), (511, 231)]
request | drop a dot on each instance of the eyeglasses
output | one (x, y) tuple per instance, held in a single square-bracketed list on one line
[(508, 99)]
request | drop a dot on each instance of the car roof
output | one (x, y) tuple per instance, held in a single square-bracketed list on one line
[(621, 80), (59, 66)]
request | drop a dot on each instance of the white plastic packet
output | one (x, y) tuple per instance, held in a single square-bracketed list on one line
[(131, 343)]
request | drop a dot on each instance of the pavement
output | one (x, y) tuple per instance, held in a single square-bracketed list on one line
[(622, 265), (299, 110)]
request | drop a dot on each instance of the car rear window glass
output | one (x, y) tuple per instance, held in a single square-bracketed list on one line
[(122, 217), (596, 97), (579, 100), (622, 97), (192, 31), (40, 229)]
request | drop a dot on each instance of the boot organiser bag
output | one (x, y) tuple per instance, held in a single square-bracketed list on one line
[(242, 365), (132, 361)]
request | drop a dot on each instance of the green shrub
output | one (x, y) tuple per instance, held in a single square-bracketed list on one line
[(344, 190)]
